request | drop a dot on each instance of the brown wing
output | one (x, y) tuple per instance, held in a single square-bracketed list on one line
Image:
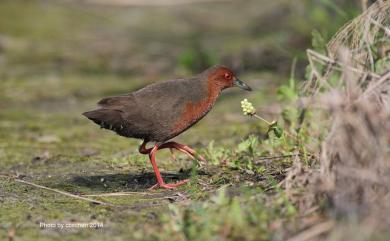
[(150, 112), (163, 104), (120, 114)]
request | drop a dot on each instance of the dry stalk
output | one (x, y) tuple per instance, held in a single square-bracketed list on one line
[(354, 167), (56, 190)]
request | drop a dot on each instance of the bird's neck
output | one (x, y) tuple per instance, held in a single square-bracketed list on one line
[(213, 92), (194, 111)]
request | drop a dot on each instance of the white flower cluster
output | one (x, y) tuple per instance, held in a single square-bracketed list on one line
[(247, 107)]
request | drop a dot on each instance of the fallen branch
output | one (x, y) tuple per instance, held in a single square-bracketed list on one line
[(176, 197), (55, 190), (259, 160), (115, 194)]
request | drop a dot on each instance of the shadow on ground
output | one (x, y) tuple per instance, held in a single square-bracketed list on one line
[(124, 182)]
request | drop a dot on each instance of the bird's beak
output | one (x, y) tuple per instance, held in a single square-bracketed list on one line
[(241, 85)]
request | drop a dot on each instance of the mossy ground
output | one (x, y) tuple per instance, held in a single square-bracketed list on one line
[(45, 140), (60, 59)]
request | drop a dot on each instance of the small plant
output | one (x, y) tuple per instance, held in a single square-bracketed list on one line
[(248, 109), (227, 217), (214, 155)]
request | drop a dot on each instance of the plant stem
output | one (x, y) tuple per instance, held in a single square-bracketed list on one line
[(261, 118), (270, 123)]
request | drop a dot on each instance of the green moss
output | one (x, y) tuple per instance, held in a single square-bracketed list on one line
[(60, 59)]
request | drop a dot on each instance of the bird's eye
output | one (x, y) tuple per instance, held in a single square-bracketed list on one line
[(228, 76)]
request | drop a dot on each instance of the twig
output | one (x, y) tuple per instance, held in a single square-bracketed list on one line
[(115, 194), (384, 28), (275, 157), (122, 194), (332, 61), (311, 210), (315, 73), (57, 191), (364, 4), (376, 84), (314, 231), (368, 45)]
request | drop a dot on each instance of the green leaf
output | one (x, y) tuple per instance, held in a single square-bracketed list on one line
[(276, 129), (318, 42)]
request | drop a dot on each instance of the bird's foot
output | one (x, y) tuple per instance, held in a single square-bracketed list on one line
[(192, 152), (201, 158), (183, 148), (169, 185), (173, 156)]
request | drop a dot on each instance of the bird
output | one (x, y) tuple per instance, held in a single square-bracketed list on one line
[(161, 111)]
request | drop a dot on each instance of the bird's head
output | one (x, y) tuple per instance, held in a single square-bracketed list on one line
[(221, 77)]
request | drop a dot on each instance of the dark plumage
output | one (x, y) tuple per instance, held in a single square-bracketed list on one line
[(161, 111), (151, 112)]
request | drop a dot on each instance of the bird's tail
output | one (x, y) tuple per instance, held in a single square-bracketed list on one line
[(107, 118)]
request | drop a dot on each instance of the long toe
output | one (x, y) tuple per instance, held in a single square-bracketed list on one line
[(173, 156), (200, 157), (155, 186), (169, 185), (179, 183)]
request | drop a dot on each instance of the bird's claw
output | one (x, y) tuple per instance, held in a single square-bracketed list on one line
[(201, 158), (169, 185)]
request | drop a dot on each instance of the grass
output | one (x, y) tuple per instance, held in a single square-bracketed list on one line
[(255, 183), (45, 140)]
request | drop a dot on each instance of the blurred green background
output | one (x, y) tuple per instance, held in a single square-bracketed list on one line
[(68, 37), (62, 56)]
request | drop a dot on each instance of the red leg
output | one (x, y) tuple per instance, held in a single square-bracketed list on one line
[(183, 148), (173, 156), (142, 148), (193, 152), (160, 181), (152, 157), (169, 185), (172, 145)]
